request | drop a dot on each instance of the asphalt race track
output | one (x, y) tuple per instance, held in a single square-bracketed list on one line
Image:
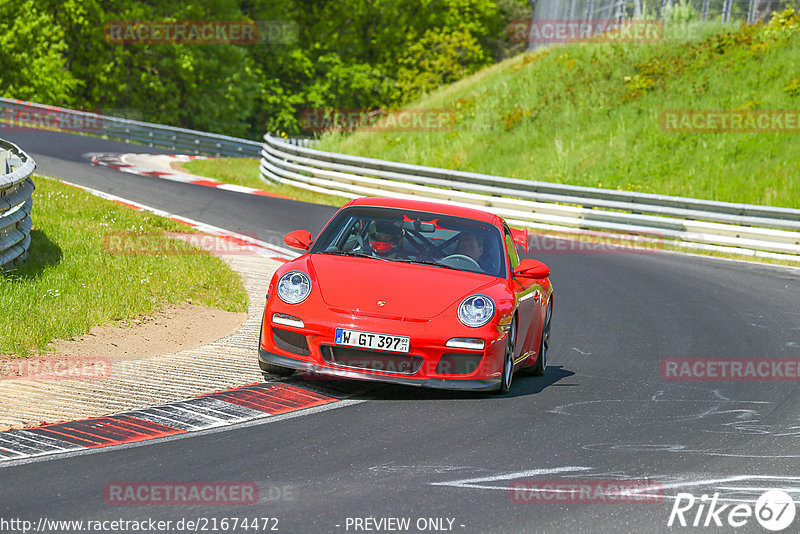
[(445, 460)]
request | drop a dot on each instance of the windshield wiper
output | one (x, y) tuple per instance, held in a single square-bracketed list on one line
[(353, 254), (428, 262)]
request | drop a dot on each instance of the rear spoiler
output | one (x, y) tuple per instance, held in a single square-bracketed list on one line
[(520, 237)]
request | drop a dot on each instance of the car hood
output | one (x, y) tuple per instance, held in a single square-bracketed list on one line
[(407, 290)]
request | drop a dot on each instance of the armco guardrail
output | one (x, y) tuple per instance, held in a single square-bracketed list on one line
[(16, 187), (743, 228), (21, 114)]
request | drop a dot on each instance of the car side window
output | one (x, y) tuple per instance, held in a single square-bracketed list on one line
[(511, 249)]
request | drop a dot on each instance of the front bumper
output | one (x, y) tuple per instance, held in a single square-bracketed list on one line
[(472, 384)]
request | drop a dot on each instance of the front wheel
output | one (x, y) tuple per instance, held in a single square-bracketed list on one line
[(544, 346), (508, 360)]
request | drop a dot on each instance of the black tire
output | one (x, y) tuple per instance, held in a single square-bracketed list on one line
[(544, 346), (270, 368), (508, 360)]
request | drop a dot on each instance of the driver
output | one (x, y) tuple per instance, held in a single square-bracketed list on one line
[(384, 238), (470, 244)]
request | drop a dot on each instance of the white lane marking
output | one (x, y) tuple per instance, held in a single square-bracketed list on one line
[(180, 418), (579, 350), (475, 482), (220, 409), (416, 469), (9, 440), (672, 447), (9, 443), (162, 418), (718, 407), (756, 427), (786, 483), (195, 414), (6, 453), (46, 441), (717, 484), (237, 188)]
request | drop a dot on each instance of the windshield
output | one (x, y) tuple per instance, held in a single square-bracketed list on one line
[(410, 236)]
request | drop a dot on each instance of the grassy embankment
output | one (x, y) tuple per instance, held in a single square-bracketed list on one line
[(75, 278), (590, 114)]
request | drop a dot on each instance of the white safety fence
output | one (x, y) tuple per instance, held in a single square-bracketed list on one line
[(686, 222)]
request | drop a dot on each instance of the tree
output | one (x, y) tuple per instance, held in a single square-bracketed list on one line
[(32, 63)]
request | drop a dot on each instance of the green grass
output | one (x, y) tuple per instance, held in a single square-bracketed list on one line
[(589, 114), (244, 171), (72, 281)]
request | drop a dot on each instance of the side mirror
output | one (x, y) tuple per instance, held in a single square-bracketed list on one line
[(299, 239), (520, 237), (529, 268)]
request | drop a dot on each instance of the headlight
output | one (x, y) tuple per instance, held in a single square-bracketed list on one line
[(294, 287), (476, 310)]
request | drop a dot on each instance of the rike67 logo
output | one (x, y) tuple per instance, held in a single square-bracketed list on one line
[(774, 510)]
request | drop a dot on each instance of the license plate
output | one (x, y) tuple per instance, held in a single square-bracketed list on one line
[(371, 340)]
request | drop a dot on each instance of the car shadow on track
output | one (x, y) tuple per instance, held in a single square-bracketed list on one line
[(522, 386), (525, 384)]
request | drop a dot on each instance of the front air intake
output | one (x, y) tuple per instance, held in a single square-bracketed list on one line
[(372, 360), (290, 341), (458, 363)]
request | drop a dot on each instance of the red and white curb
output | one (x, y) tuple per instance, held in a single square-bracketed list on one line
[(158, 166), (247, 243), (251, 403), (214, 410)]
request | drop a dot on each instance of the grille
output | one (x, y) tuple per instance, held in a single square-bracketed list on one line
[(458, 363), (372, 360), (290, 341)]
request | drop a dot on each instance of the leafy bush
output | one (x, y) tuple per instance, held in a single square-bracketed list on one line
[(348, 54)]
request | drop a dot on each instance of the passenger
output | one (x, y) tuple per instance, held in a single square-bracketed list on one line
[(470, 244), (473, 245)]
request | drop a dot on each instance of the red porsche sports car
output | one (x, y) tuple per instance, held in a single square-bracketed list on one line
[(409, 292)]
